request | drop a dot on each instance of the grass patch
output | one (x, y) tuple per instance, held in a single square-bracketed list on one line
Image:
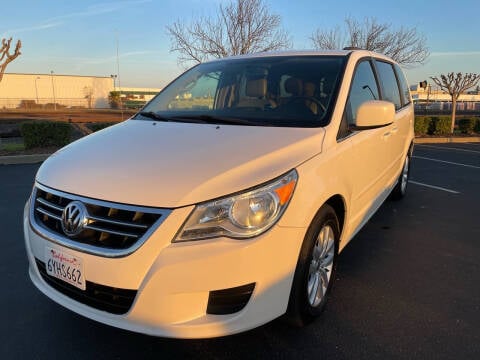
[(12, 147)]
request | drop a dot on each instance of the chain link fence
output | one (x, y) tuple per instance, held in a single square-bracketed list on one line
[(48, 104), (66, 103)]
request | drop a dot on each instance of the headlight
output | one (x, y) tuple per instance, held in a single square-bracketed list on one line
[(243, 215)]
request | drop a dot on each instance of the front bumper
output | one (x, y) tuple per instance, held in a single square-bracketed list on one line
[(173, 280)]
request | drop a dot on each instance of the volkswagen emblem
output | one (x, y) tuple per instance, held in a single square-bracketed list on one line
[(74, 218)]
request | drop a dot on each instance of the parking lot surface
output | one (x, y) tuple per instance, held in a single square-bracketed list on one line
[(407, 285)]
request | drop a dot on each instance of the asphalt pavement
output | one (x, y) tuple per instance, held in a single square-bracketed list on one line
[(406, 287)]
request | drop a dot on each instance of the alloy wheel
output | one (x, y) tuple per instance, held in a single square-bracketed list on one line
[(321, 265)]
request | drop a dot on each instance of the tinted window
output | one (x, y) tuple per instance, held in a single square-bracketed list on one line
[(389, 82), (363, 88), (403, 85), (296, 91)]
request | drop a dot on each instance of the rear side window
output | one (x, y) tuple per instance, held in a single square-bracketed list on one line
[(403, 86), (389, 82)]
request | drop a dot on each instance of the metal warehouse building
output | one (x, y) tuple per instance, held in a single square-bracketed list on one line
[(48, 91)]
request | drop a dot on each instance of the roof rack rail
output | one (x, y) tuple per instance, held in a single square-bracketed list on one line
[(352, 48)]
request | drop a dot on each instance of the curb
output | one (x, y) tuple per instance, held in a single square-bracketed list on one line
[(445, 140), (23, 159)]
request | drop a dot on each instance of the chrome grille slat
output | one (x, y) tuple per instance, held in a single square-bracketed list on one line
[(116, 222), (110, 229), (48, 213), (119, 233), (49, 204)]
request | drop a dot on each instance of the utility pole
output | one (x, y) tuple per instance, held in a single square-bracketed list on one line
[(118, 75), (114, 77), (53, 90), (114, 103), (36, 87)]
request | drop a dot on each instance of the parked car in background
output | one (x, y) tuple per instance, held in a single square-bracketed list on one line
[(223, 203)]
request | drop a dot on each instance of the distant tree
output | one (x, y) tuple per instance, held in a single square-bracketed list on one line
[(114, 99), (404, 45), (5, 56), (240, 27), (455, 85)]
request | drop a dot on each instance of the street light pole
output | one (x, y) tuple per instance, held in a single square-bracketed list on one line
[(36, 88), (114, 102), (118, 74), (114, 77), (53, 90)]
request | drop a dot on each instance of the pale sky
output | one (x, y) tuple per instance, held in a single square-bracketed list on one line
[(80, 37)]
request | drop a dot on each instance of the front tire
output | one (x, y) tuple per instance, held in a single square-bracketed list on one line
[(315, 271)]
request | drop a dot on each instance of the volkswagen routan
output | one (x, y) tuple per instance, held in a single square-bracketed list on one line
[(224, 203)]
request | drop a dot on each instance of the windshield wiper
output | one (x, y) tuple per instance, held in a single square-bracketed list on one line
[(154, 116), (210, 119), (203, 119)]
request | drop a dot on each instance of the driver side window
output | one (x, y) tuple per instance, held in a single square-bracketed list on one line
[(363, 88)]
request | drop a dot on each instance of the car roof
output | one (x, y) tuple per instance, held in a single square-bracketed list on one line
[(359, 53)]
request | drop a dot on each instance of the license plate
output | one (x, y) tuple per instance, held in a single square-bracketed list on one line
[(65, 266)]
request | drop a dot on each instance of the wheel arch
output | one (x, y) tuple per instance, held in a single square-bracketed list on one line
[(337, 202), (410, 149)]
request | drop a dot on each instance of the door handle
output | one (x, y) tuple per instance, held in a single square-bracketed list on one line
[(387, 134), (395, 129)]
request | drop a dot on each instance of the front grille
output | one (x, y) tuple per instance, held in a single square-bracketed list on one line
[(108, 226), (113, 300)]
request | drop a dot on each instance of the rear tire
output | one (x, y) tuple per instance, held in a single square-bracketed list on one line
[(315, 271), (400, 189)]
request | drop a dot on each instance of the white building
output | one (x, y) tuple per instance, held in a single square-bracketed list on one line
[(27, 91), (136, 97), (439, 100)]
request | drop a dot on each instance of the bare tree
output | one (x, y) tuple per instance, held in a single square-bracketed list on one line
[(240, 27), (404, 45), (455, 85), (88, 94), (5, 56)]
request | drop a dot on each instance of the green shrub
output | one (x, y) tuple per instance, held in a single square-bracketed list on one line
[(45, 133), (477, 126), (114, 99), (467, 125), (421, 125), (101, 125), (440, 125)]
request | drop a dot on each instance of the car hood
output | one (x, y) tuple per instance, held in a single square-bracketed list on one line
[(166, 164)]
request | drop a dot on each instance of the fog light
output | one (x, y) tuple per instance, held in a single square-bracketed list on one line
[(229, 301)]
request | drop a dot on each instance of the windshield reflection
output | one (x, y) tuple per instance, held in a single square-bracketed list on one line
[(265, 91)]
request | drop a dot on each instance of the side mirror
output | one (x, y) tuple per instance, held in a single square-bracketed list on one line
[(374, 113)]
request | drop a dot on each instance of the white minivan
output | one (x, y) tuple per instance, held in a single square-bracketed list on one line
[(223, 203)]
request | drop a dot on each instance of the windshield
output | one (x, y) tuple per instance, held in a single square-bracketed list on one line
[(294, 91)]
